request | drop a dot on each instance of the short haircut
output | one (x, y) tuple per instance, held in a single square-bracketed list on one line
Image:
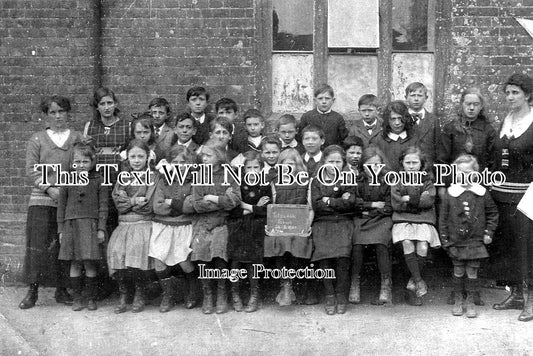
[(145, 119), (253, 113), (227, 104), (400, 108), (160, 102), (271, 140), (86, 150), (415, 150), (186, 116), (61, 101), (368, 99), (286, 119), (294, 155), (353, 141), (368, 153), (197, 91), (313, 128), (180, 150), (466, 158), (334, 149), (324, 88), (414, 86), (523, 81), (222, 121)]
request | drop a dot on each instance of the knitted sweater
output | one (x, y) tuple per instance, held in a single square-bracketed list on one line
[(420, 208), (42, 150), (332, 124)]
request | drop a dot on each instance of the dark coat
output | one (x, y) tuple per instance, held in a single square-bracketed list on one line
[(359, 129)]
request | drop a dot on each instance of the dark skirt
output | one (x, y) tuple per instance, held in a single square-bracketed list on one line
[(372, 231), (332, 239), (42, 245), (246, 239), (511, 252), (80, 240)]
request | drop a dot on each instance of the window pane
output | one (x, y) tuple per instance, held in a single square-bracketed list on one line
[(292, 24), (353, 23), (410, 25), (412, 67), (292, 82), (351, 77)]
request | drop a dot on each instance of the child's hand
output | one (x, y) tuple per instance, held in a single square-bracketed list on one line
[(246, 212), (211, 198), (405, 198), (138, 200), (378, 204), (346, 196), (325, 200), (263, 201), (229, 191), (168, 202), (53, 192), (101, 236), (487, 239), (60, 237)]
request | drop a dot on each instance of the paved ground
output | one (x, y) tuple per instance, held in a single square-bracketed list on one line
[(52, 329)]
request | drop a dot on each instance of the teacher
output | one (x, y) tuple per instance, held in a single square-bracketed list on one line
[(53, 145), (513, 249)]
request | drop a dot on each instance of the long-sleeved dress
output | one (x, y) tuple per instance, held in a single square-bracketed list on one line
[(209, 224)]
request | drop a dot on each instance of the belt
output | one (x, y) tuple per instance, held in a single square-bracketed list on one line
[(108, 150)]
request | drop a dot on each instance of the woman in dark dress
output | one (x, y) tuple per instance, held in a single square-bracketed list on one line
[(50, 146), (512, 256)]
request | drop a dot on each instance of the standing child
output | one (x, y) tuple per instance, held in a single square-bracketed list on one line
[(172, 230), (354, 149), (333, 204), (142, 129), (370, 124), (372, 225), (186, 128), (286, 128), (212, 203), (81, 219), (287, 250), (270, 154), (414, 219), (331, 122), (159, 108), (254, 123), (227, 107), (426, 125), (467, 221), (247, 231), (197, 101), (127, 252), (312, 139)]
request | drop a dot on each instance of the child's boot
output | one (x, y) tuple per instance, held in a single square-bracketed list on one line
[(471, 286), (207, 304), (91, 288), (385, 293), (222, 297), (421, 288), (355, 290), (31, 297), (192, 284), (527, 312), (311, 292), (457, 308), (285, 296), (140, 289), (330, 305), (236, 297), (79, 303), (342, 303), (514, 301), (123, 291), (167, 300), (253, 303)]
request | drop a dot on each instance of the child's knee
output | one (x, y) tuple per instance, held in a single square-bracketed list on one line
[(422, 248), (159, 266), (471, 272)]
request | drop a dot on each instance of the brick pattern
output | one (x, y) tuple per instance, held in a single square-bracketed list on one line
[(162, 47)]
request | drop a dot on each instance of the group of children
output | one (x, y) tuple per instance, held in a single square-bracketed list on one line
[(174, 227)]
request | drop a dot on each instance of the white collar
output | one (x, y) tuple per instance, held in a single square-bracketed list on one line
[(159, 129), (323, 112), (395, 137), (292, 144), (422, 113), (374, 123), (186, 144), (255, 140), (515, 128), (316, 157), (200, 119), (58, 137), (456, 189)]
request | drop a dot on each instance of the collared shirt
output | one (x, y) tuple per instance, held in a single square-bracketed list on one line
[(323, 112), (159, 129), (370, 127), (58, 137), (292, 144), (395, 137), (515, 128), (186, 144), (419, 115), (256, 141), (200, 119), (316, 157)]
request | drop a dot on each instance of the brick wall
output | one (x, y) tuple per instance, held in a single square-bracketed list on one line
[(162, 47)]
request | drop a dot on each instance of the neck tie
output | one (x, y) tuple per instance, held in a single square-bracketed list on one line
[(311, 165), (370, 127), (417, 117)]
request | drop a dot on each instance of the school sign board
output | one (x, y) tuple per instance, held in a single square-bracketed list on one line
[(288, 220)]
